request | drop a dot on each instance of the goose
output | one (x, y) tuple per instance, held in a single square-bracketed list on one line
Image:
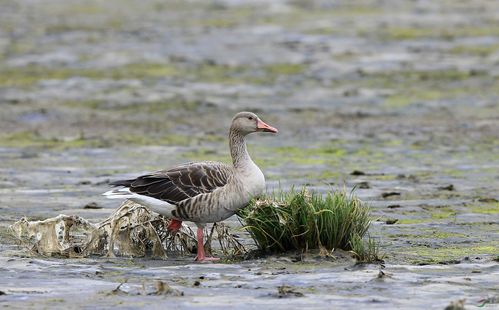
[(202, 192)]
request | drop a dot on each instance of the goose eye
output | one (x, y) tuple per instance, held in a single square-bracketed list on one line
[(250, 118)]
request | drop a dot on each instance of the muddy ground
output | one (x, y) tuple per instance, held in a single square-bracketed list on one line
[(405, 93)]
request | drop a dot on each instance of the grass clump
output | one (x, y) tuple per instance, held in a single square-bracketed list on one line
[(302, 220), (366, 251)]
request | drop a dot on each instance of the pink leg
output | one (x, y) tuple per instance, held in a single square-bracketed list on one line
[(174, 226), (201, 257)]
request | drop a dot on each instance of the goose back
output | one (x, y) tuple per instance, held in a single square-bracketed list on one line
[(181, 182)]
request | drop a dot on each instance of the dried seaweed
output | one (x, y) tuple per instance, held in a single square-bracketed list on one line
[(132, 230)]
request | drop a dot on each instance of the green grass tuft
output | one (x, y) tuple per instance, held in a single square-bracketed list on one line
[(366, 251), (305, 220)]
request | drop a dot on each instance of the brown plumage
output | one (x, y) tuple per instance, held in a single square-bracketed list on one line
[(181, 182)]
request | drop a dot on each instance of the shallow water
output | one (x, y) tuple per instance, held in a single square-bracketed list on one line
[(406, 93)]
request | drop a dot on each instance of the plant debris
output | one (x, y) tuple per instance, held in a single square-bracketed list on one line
[(449, 187), (285, 291), (92, 205), (390, 194), (488, 200), (158, 288), (118, 290), (363, 185), (456, 305), (366, 251), (164, 289), (132, 230), (391, 221)]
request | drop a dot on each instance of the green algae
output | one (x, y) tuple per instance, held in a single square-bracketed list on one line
[(474, 50), (161, 139), (33, 139), (327, 174), (485, 208), (416, 33), (29, 75), (301, 14), (294, 151), (430, 234), (143, 70), (428, 255), (411, 33), (413, 221), (217, 17), (409, 97), (151, 107), (416, 86), (443, 213), (32, 74), (431, 214), (383, 79), (277, 69), (442, 235), (454, 172), (23, 139), (300, 156), (227, 21), (92, 104)]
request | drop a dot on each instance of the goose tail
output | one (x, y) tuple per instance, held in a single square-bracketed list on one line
[(157, 205), (119, 193)]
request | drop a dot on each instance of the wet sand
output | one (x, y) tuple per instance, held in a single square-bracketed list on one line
[(406, 94)]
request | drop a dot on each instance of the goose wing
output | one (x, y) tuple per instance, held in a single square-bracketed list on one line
[(181, 182)]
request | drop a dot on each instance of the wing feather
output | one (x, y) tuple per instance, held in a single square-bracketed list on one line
[(181, 182)]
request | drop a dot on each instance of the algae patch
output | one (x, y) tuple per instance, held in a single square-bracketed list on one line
[(414, 33), (32, 74), (34, 139), (427, 255), (28, 76), (485, 208)]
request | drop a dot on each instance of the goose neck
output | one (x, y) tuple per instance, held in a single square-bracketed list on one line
[(238, 150)]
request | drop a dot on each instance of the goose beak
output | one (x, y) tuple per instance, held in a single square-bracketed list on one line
[(261, 126)]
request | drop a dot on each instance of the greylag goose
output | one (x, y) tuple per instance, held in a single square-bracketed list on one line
[(202, 192)]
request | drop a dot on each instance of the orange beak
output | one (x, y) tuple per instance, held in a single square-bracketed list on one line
[(261, 126)]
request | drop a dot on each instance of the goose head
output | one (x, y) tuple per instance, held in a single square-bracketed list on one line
[(247, 122)]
